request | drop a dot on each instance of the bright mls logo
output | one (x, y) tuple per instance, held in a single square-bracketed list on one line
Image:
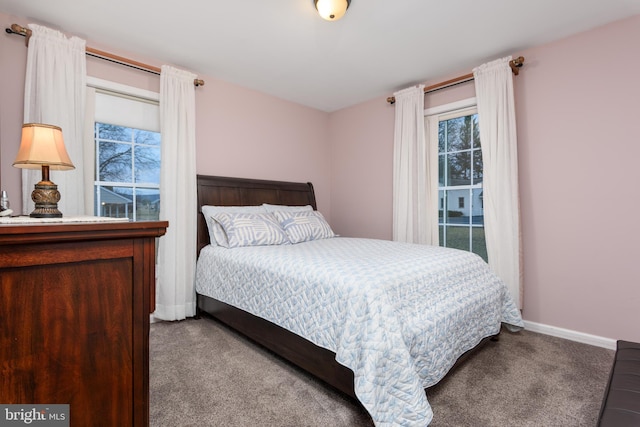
[(37, 415)]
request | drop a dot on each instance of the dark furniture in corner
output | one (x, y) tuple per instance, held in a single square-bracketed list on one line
[(621, 404), (75, 301)]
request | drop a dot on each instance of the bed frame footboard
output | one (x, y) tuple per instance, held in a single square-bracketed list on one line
[(317, 361)]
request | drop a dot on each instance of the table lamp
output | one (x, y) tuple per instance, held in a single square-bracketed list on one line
[(42, 147)]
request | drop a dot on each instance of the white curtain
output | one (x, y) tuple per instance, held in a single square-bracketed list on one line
[(55, 94), (175, 290), (431, 125), (89, 144), (496, 115), (411, 204)]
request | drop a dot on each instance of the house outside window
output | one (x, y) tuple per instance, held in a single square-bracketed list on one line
[(461, 216)]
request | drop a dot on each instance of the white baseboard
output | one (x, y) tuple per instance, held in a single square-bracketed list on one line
[(571, 335)]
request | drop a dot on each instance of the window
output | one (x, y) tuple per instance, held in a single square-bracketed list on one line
[(126, 142), (127, 172), (461, 216)]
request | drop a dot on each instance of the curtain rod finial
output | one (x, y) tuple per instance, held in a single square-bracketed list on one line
[(18, 29), (516, 64)]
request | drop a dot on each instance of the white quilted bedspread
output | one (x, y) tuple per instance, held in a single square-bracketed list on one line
[(398, 315)]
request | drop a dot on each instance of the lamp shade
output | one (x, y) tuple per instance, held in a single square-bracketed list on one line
[(332, 10), (42, 145)]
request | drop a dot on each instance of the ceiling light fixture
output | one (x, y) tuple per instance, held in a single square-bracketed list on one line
[(332, 10)]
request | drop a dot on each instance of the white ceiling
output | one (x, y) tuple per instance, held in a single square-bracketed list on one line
[(283, 48)]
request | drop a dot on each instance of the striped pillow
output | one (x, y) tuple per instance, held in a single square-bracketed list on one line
[(250, 229), (217, 235), (304, 226)]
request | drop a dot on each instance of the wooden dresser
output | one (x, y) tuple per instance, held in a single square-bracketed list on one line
[(75, 300)]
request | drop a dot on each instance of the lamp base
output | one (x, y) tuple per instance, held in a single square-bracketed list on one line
[(46, 197)]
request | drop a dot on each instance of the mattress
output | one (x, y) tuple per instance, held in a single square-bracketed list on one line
[(397, 314)]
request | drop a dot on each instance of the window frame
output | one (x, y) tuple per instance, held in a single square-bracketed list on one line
[(115, 89), (442, 113)]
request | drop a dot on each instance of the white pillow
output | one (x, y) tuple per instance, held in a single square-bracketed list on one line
[(251, 229), (275, 208), (304, 226), (217, 235)]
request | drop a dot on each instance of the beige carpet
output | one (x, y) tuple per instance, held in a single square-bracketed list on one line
[(203, 374)]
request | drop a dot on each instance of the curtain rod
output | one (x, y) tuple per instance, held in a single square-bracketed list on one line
[(515, 65), (96, 53)]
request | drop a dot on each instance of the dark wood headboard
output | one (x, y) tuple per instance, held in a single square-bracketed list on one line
[(225, 191)]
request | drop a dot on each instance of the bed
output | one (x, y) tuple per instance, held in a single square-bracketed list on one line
[(372, 318)]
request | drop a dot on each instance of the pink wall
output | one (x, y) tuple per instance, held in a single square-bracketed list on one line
[(240, 132), (361, 170), (248, 134), (579, 157), (579, 151)]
